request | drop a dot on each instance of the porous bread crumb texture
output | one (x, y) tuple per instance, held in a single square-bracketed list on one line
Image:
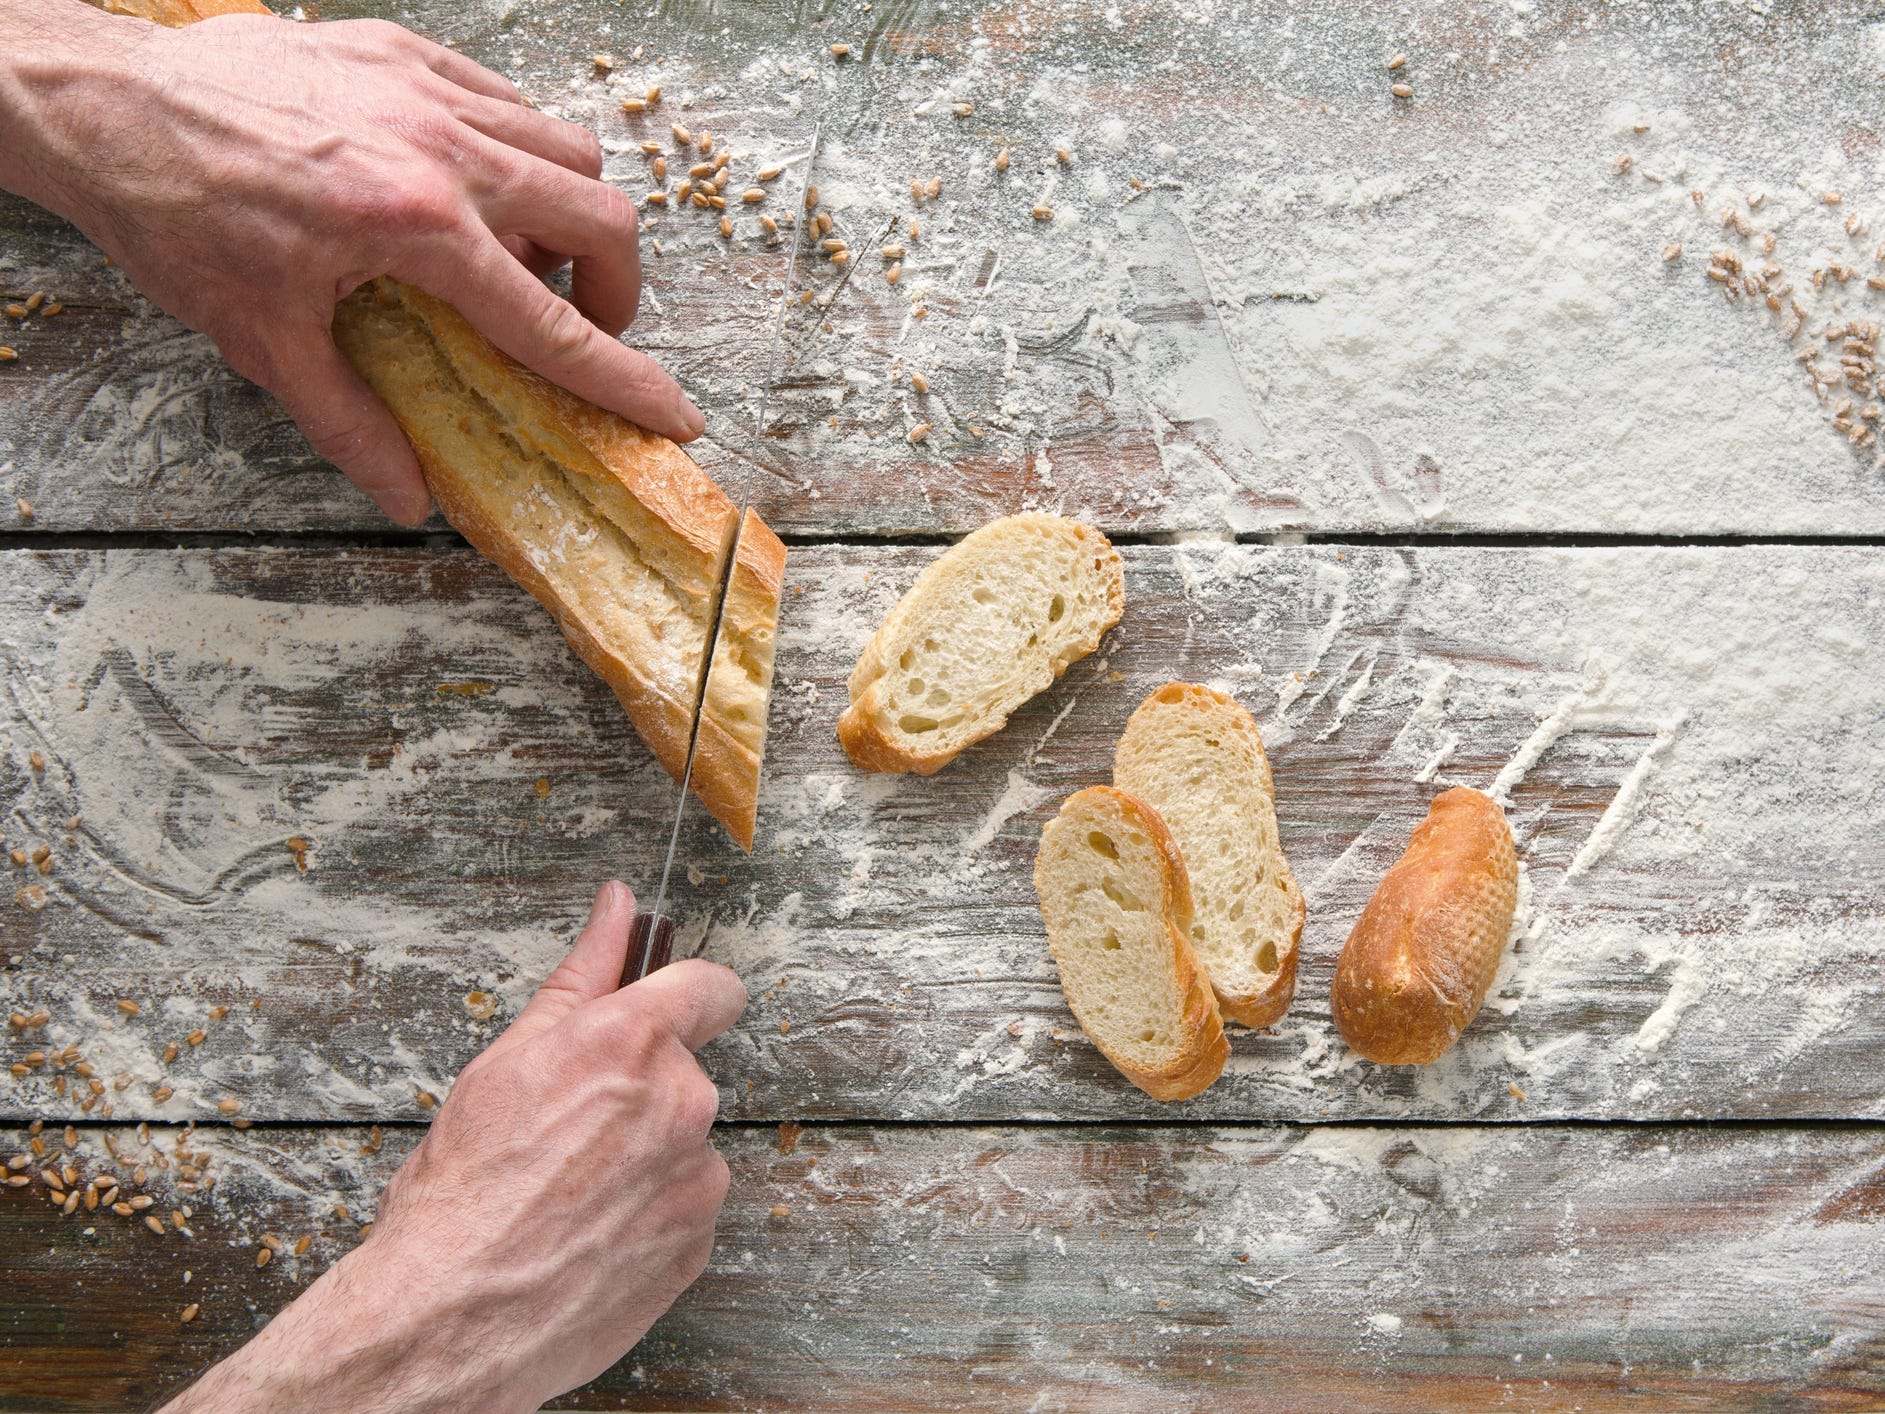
[(991, 623), (1117, 906), (617, 532), (1196, 756), (1417, 966), (530, 514)]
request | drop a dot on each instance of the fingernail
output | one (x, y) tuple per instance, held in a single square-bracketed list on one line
[(695, 419), (605, 900), (409, 508)]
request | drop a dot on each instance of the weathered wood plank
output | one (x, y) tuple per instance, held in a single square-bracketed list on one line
[(1686, 739), (1319, 307), (1097, 1269)]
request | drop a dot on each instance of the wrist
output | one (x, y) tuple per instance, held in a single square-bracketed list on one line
[(65, 67), (374, 1333)]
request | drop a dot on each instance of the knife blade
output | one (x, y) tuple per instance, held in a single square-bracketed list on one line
[(651, 939)]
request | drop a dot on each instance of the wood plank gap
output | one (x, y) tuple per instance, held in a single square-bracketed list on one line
[(446, 539)]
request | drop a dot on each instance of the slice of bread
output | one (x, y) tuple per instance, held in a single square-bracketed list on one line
[(1117, 907), (1196, 757), (991, 623)]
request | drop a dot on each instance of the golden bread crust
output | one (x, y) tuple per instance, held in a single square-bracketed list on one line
[(1422, 955)]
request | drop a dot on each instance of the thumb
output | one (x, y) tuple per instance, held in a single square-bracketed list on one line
[(592, 969)]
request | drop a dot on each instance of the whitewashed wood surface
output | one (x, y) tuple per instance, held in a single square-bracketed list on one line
[(1072, 1268), (1322, 308), (1692, 730)]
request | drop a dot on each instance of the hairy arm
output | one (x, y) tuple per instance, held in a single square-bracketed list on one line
[(563, 1198)]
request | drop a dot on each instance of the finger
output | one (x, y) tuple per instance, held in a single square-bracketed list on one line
[(536, 133), (592, 969), (533, 257), (587, 220), (694, 999), (537, 327), (466, 73), (345, 422)]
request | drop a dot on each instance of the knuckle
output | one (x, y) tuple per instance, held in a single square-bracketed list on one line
[(697, 1104), (406, 209), (376, 38), (710, 980), (614, 209), (564, 334), (586, 149)]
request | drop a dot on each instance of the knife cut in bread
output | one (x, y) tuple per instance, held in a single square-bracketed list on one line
[(1196, 756), (616, 531), (1424, 951), (989, 624), (1117, 906), (739, 686)]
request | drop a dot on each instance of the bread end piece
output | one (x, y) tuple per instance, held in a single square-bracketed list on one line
[(1196, 756), (1422, 955), (987, 625), (1117, 904)]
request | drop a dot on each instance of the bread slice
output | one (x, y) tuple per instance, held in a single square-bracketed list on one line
[(991, 623), (1117, 906), (1417, 966), (1196, 757)]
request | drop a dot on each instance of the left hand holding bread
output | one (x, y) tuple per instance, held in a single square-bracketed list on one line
[(248, 173)]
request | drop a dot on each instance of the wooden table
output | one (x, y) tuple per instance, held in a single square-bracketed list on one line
[(1416, 433)]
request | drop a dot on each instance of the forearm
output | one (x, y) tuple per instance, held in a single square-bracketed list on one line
[(370, 1335), (60, 61)]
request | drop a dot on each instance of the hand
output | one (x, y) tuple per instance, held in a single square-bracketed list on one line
[(248, 173), (563, 1198)]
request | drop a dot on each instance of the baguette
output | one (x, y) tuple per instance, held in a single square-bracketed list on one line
[(614, 530), (1196, 757), (991, 623), (1423, 953), (1117, 906), (739, 687)]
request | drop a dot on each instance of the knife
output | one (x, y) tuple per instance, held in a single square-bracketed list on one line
[(651, 939)]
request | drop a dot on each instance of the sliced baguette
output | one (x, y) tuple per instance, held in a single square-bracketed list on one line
[(1196, 757), (1424, 951), (614, 530), (991, 623), (1117, 906)]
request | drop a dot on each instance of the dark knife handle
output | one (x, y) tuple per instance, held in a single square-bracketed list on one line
[(649, 942)]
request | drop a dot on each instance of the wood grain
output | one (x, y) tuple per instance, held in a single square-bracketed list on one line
[(458, 785), (1193, 352), (1097, 1268)]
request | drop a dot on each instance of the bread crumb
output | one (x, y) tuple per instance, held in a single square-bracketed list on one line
[(780, 1210), (789, 1134)]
